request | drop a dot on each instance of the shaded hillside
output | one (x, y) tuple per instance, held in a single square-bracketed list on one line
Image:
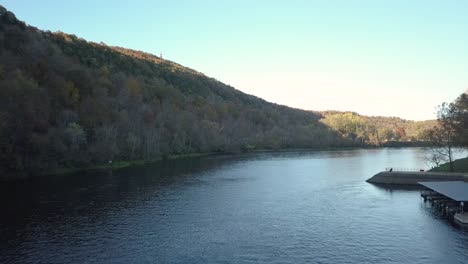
[(66, 102)]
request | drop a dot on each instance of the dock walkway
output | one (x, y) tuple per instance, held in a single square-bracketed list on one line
[(413, 177)]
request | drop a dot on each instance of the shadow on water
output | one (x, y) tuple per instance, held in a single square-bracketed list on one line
[(397, 187), (27, 203), (260, 207), (72, 192), (426, 205), (54, 198)]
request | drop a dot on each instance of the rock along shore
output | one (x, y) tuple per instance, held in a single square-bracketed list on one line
[(412, 178)]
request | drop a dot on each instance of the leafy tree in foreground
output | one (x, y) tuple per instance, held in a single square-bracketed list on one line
[(442, 137), (460, 112)]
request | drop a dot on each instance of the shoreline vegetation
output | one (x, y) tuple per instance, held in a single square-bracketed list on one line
[(132, 163), (459, 165), (115, 165)]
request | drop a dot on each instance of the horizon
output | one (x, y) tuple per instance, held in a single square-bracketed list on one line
[(388, 55)]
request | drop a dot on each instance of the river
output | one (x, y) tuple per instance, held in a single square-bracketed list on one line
[(288, 207)]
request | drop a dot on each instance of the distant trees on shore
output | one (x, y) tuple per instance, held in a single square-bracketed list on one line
[(375, 130)]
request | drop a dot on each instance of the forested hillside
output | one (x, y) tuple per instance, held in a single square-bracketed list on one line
[(66, 102)]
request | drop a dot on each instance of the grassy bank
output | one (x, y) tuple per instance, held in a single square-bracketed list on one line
[(133, 163), (124, 164), (459, 165)]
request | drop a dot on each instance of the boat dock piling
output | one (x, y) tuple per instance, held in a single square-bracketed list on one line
[(447, 207), (448, 198)]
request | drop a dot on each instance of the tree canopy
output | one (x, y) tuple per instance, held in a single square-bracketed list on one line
[(376, 130)]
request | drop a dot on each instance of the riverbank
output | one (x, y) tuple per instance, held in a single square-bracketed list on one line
[(459, 165), (125, 164), (134, 163), (412, 178)]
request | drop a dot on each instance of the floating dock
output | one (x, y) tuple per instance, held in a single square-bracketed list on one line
[(449, 197)]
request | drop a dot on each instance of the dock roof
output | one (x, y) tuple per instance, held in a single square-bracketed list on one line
[(455, 190)]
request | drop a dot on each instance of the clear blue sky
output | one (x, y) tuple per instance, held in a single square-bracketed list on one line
[(377, 57)]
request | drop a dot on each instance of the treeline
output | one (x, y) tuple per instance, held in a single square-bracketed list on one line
[(377, 130), (66, 102)]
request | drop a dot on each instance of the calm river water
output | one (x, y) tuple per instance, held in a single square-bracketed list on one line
[(291, 207)]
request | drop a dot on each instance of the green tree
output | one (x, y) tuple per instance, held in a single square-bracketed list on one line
[(460, 113), (442, 136)]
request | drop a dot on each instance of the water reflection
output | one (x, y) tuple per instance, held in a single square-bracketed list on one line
[(266, 207)]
